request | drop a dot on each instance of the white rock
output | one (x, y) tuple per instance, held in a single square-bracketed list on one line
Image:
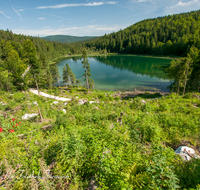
[(35, 103), (28, 116), (2, 103), (64, 110), (81, 101), (50, 96), (56, 102), (91, 102), (65, 103), (186, 153), (143, 101)]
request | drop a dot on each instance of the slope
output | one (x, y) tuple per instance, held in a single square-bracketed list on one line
[(168, 35)]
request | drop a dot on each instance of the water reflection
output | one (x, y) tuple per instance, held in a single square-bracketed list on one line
[(122, 72)]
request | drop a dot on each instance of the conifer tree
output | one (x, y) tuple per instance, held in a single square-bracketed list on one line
[(55, 74), (86, 66), (68, 75)]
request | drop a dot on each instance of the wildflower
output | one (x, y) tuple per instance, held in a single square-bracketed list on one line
[(13, 119), (1, 129), (12, 130), (17, 124), (20, 122), (13, 126)]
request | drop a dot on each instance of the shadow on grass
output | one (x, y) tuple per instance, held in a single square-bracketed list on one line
[(141, 95)]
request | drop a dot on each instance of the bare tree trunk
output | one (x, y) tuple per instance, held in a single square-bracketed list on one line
[(185, 83), (87, 80), (69, 79), (40, 114), (38, 95), (36, 85), (178, 87), (58, 82)]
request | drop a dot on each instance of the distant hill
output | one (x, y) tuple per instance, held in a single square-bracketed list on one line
[(69, 39)]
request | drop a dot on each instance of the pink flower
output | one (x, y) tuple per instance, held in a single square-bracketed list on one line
[(12, 130), (13, 119), (1, 129)]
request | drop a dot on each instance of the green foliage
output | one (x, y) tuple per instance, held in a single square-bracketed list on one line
[(68, 75), (168, 35), (90, 140), (161, 174), (86, 66)]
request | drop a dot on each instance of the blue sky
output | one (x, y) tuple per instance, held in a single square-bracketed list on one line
[(83, 17)]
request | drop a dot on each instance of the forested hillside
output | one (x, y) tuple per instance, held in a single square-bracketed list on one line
[(68, 39), (169, 35)]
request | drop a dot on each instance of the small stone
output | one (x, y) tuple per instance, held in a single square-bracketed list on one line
[(56, 102), (64, 110), (91, 102), (143, 101), (35, 103), (65, 103)]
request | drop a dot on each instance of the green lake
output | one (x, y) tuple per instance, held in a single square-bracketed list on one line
[(122, 72)]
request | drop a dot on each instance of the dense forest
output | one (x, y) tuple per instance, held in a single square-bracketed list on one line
[(168, 35)]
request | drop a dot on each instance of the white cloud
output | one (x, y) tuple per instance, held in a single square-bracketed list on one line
[(93, 21), (41, 18), (141, 1), (182, 7), (76, 5), (4, 14), (17, 13), (182, 4), (20, 10), (91, 30)]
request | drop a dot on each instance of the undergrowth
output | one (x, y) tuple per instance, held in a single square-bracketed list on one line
[(122, 143)]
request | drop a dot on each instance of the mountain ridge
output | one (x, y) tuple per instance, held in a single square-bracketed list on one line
[(69, 38)]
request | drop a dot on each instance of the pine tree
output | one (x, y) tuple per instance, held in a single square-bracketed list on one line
[(68, 75), (86, 66)]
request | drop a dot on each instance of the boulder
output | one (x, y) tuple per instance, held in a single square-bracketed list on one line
[(186, 153)]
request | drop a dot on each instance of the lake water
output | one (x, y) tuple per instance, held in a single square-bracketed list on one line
[(122, 72)]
